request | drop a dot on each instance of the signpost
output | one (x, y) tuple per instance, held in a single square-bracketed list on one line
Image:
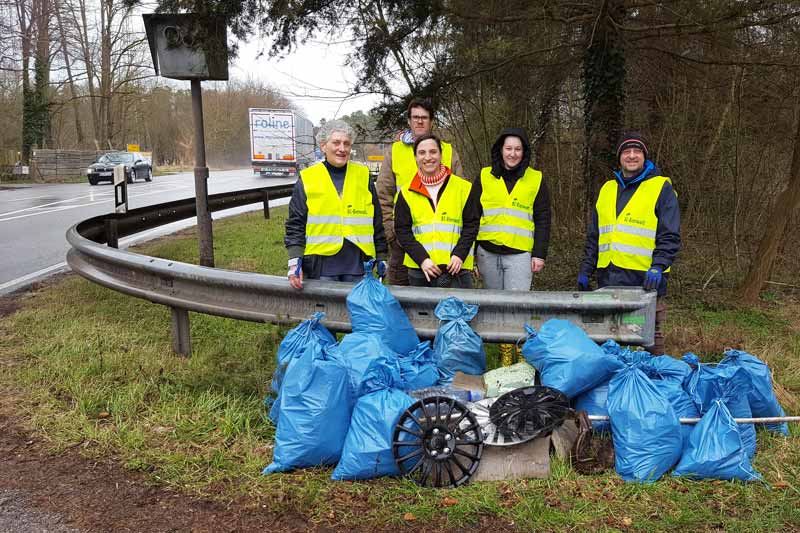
[(194, 48)]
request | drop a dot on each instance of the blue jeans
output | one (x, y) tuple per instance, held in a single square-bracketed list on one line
[(347, 278)]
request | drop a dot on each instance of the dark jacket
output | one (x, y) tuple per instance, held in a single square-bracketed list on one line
[(668, 234), (541, 206), (470, 218), (295, 237)]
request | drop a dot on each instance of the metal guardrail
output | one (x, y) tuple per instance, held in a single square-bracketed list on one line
[(624, 314)]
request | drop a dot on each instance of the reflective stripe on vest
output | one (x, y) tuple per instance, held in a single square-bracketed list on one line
[(332, 219), (628, 240), (438, 232), (404, 164), (507, 218)]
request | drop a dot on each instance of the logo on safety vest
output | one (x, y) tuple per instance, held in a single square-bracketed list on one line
[(630, 220), (352, 211), (519, 205)]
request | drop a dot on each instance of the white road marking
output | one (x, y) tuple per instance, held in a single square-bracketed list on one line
[(23, 199), (32, 276)]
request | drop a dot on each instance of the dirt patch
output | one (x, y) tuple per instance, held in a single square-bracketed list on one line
[(8, 306), (101, 496)]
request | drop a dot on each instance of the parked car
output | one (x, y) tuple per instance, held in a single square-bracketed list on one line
[(136, 166)]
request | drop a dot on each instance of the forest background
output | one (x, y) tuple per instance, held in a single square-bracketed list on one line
[(714, 85)]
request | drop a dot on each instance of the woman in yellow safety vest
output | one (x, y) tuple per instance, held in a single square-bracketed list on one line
[(515, 219), (436, 220), (515, 215), (334, 221)]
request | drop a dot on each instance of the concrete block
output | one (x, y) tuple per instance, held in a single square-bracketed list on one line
[(563, 438), (527, 460)]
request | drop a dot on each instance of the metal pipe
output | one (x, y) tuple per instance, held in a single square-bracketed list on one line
[(762, 420), (204, 231)]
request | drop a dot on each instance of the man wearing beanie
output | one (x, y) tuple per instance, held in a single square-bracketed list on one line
[(634, 234)]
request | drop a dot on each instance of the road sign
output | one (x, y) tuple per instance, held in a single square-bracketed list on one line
[(133, 147), (374, 158)]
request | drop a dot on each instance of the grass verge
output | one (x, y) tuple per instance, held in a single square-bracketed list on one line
[(96, 371)]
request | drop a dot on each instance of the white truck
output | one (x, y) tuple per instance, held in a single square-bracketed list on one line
[(281, 142)]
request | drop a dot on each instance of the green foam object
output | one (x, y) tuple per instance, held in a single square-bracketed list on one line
[(507, 378)]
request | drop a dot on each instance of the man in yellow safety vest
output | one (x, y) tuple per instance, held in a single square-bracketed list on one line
[(634, 235), (397, 170)]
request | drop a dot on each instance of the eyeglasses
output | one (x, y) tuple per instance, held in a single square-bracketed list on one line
[(420, 118)]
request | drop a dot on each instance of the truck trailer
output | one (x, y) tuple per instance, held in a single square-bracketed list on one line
[(281, 142)]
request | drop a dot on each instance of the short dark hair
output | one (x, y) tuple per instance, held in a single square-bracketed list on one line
[(424, 103), (427, 137)]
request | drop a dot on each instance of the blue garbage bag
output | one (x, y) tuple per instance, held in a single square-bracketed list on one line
[(670, 368), (567, 358), (595, 402), (367, 451), (458, 347), (357, 351), (644, 427), (293, 345), (611, 347), (763, 402), (668, 374), (373, 309), (315, 405), (420, 368), (715, 449), (731, 384)]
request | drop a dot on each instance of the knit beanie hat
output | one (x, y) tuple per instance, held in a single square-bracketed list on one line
[(632, 139)]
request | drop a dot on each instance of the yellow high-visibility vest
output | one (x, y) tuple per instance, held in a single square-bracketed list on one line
[(332, 219), (438, 231), (404, 164), (628, 240), (507, 218)]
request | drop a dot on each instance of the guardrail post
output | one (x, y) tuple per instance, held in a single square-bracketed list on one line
[(112, 235), (181, 339), (266, 205)]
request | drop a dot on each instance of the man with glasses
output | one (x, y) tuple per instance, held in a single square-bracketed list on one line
[(398, 168)]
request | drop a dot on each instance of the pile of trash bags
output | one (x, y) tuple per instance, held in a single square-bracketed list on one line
[(646, 396), (337, 403)]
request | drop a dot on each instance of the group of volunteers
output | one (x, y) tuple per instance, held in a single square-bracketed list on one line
[(439, 228)]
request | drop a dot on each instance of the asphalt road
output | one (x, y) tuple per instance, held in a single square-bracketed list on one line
[(34, 218)]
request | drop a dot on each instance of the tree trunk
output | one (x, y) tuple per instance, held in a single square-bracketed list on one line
[(70, 80), (780, 214), (89, 61), (604, 97), (27, 103)]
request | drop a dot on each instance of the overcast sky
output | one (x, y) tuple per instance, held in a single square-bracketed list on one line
[(314, 77)]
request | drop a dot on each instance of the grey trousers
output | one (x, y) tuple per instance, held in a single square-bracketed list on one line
[(507, 272)]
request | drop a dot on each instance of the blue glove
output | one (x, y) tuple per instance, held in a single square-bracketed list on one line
[(652, 279), (381, 269), (583, 282)]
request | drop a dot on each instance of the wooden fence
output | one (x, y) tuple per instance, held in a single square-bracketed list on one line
[(57, 165)]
